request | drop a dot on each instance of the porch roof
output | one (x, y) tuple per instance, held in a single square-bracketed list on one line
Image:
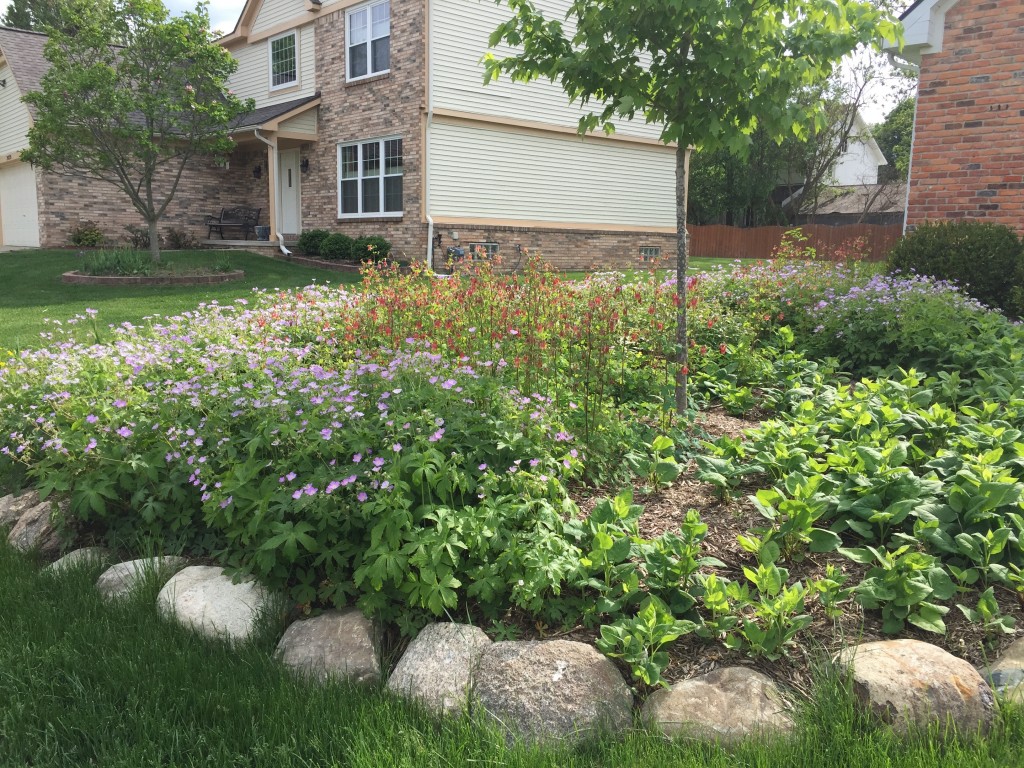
[(259, 117)]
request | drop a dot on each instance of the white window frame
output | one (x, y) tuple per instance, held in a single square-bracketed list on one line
[(368, 7), (270, 60), (380, 213)]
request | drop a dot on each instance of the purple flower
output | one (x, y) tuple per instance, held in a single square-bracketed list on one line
[(91, 445), (120, 403), (290, 476), (357, 458), (326, 433), (436, 436), (224, 504), (92, 418), (397, 447), (482, 467), (124, 432), (362, 496), (297, 494), (333, 486)]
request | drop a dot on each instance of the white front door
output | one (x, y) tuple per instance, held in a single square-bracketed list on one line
[(288, 192), (19, 212)]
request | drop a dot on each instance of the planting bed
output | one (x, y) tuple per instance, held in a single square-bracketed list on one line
[(505, 448)]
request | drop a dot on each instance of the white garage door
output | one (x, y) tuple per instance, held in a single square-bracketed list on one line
[(19, 213)]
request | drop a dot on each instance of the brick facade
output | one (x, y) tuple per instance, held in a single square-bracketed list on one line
[(66, 201), (968, 159)]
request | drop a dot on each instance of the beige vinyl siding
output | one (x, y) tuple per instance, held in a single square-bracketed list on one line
[(497, 173), (304, 123), (252, 79), (14, 116), (459, 30), (274, 12)]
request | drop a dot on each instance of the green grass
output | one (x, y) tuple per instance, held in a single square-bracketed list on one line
[(32, 290), (85, 683), (694, 266)]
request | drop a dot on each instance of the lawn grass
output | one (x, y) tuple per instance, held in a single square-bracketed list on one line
[(32, 290), (86, 683)]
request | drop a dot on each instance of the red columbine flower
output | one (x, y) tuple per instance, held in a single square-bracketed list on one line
[(721, 348)]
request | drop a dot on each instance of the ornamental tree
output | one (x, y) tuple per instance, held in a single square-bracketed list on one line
[(709, 72), (132, 115)]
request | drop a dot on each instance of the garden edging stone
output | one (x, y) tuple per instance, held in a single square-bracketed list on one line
[(35, 531), (205, 598), (335, 644), (121, 579), (1007, 675), (13, 507), (84, 557), (437, 667)]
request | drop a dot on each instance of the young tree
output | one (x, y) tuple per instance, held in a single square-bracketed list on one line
[(708, 71), (135, 115)]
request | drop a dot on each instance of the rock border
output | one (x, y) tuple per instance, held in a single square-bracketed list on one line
[(75, 277)]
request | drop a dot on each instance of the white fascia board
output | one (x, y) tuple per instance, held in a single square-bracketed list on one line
[(923, 28)]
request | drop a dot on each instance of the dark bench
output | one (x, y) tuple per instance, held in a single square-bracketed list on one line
[(240, 217)]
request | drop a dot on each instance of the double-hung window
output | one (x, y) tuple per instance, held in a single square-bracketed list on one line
[(284, 61), (369, 40), (370, 178)]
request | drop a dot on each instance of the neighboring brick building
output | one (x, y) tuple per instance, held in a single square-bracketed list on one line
[(372, 118), (967, 160)]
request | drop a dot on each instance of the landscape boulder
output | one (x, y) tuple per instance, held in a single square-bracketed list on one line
[(1007, 674), (725, 705), (336, 644), (13, 507), (84, 557), (205, 598), (35, 531), (555, 690), (911, 684), (119, 580), (437, 667)]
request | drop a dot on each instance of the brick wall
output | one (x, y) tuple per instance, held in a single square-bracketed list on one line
[(66, 201), (969, 145)]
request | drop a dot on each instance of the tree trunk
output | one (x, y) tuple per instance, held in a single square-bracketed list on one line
[(682, 263), (154, 242)]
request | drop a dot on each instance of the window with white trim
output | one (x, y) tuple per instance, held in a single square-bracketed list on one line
[(284, 60), (370, 178), (368, 32)]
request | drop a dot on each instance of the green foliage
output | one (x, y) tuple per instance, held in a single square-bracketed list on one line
[(984, 259), (108, 113), (986, 613), (87, 234), (638, 640), (372, 248), (311, 240), (337, 247), (122, 262), (656, 463), (33, 15), (178, 239), (894, 134)]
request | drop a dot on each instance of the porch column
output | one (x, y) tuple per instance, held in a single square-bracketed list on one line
[(272, 186)]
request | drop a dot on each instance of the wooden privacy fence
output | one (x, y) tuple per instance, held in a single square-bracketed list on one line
[(724, 242)]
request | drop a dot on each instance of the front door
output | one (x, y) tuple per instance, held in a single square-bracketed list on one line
[(288, 191)]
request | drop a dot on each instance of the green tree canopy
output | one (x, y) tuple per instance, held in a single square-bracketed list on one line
[(135, 115), (893, 136), (33, 15), (709, 72)]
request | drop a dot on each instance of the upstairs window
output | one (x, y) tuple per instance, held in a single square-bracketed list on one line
[(369, 40), (370, 178), (284, 61)]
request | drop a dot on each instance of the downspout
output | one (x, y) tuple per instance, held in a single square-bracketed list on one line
[(910, 69), (272, 180), (426, 138)]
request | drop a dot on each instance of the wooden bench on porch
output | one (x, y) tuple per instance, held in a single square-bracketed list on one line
[(241, 217)]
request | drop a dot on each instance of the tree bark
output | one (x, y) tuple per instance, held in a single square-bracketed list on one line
[(682, 263), (154, 241)]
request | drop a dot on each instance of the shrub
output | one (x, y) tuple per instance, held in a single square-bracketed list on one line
[(984, 259), (123, 262), (180, 240), (86, 234), (337, 247), (311, 241), (137, 237), (373, 248)]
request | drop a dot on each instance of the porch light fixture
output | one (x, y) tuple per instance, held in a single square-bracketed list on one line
[(257, 171), (3, 83), (304, 165)]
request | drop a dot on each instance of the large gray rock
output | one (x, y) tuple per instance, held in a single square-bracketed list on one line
[(437, 667), (13, 507), (910, 684), (335, 644), (121, 579), (725, 705), (1007, 674), (85, 557), (552, 690), (204, 598), (35, 531)]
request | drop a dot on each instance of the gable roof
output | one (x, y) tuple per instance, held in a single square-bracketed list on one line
[(923, 27), (262, 115), (23, 51)]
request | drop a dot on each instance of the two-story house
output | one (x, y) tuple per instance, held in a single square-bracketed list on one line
[(373, 118), (967, 157)]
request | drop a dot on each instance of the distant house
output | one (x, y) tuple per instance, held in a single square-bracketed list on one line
[(372, 118), (967, 158)]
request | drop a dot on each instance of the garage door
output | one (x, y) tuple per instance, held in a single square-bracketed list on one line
[(19, 214)]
